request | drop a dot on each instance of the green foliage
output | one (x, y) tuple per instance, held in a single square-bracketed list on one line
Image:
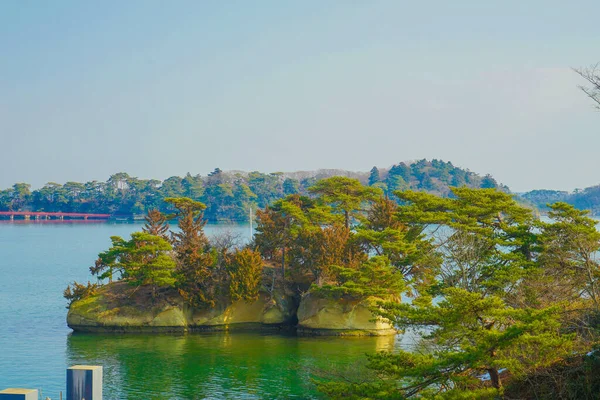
[(486, 243), (374, 176), (113, 260), (569, 271), (315, 239), (404, 245), (143, 260), (245, 274), (484, 308), (199, 271), (466, 336), (291, 186), (345, 196), (280, 224), (147, 261), (79, 291), (488, 182), (373, 278), (436, 177), (471, 334)]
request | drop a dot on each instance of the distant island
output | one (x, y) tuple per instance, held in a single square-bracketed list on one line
[(227, 195), (583, 199)]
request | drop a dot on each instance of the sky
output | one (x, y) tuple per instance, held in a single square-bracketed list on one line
[(155, 88)]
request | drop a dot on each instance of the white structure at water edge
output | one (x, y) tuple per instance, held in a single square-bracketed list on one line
[(18, 394), (84, 382)]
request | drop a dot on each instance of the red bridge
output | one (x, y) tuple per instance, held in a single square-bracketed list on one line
[(50, 215)]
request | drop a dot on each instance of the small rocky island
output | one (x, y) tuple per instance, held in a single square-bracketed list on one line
[(104, 312), (321, 264)]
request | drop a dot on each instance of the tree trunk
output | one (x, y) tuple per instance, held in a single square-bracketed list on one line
[(283, 262), (495, 378), (591, 281)]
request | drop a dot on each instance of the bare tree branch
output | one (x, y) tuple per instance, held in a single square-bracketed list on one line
[(592, 75)]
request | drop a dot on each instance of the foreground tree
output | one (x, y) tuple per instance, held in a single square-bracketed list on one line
[(471, 338), (570, 246), (466, 317), (405, 246), (570, 271)]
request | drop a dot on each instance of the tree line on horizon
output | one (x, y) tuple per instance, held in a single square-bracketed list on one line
[(227, 195), (583, 199)]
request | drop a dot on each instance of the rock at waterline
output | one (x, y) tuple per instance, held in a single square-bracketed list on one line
[(116, 308), (108, 311), (319, 315)]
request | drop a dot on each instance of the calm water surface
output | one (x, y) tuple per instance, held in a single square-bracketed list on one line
[(38, 260)]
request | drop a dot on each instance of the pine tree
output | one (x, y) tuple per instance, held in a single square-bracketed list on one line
[(375, 277), (345, 195), (468, 316), (245, 274), (278, 227), (142, 260), (112, 261), (148, 262), (374, 176), (195, 278), (569, 273), (156, 224)]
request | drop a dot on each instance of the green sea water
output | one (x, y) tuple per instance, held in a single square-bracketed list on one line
[(216, 366), (38, 260)]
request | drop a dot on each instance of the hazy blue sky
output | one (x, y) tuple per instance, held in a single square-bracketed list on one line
[(157, 88)]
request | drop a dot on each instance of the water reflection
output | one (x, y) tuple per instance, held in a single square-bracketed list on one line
[(248, 366)]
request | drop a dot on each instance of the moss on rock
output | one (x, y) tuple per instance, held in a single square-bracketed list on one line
[(118, 308), (318, 315), (108, 311)]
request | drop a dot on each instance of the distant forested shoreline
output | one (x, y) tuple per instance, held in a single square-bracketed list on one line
[(229, 195), (583, 199)]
